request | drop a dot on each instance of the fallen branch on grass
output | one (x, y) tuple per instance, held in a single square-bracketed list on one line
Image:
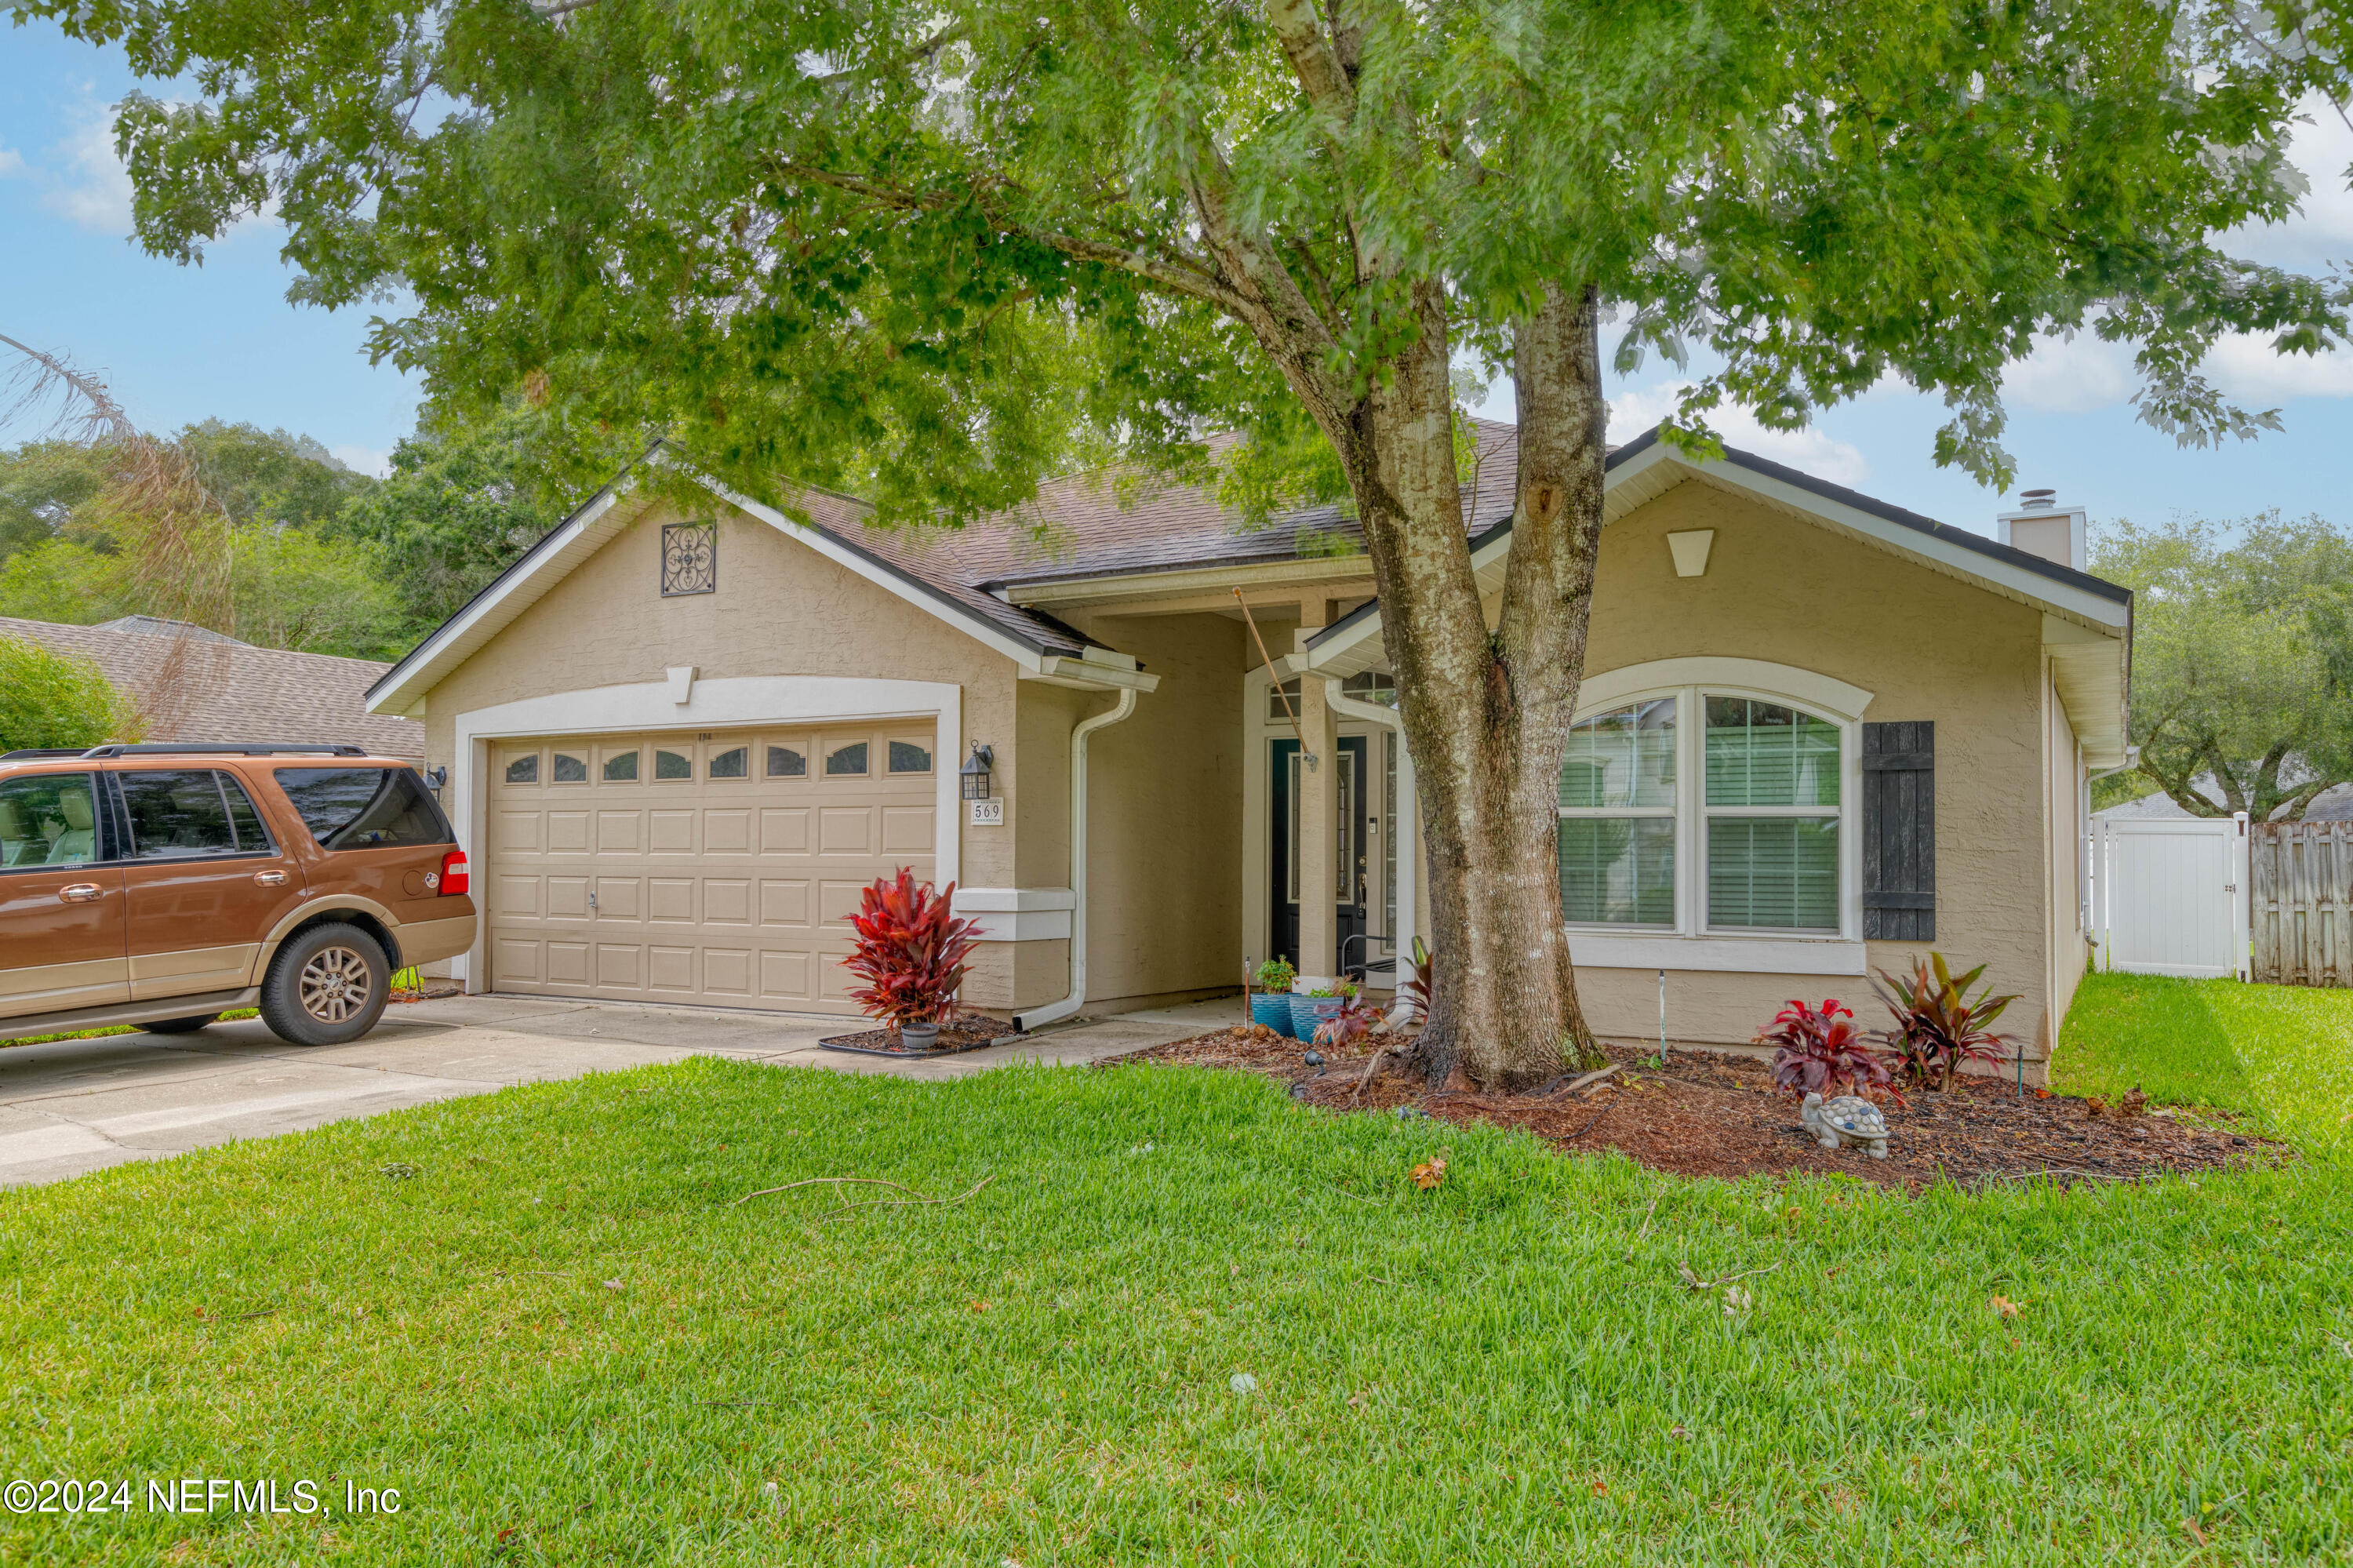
[(848, 1208)]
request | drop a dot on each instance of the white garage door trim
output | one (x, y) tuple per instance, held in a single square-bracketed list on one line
[(647, 707)]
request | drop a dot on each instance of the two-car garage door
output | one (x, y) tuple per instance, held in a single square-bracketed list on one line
[(714, 868)]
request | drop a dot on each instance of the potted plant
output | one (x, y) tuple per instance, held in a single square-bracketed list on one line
[(910, 953), (1323, 1002), (1271, 1006)]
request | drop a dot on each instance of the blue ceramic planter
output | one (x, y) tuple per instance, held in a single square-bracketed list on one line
[(1307, 1012), (1274, 1011)]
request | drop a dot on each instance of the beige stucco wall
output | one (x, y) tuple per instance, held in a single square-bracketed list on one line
[(780, 609), (1928, 647), (1164, 812)]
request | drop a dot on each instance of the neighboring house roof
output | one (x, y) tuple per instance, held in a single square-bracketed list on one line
[(205, 687), (2334, 804), (156, 626)]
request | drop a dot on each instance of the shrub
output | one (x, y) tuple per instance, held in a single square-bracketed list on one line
[(55, 699), (1350, 1024), (1276, 975), (1939, 1027), (910, 951), (1817, 1048), (1415, 992)]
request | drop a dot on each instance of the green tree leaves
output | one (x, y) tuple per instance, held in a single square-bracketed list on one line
[(2241, 659), (55, 699)]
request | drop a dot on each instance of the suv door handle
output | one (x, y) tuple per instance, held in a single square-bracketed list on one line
[(270, 878), (79, 893)]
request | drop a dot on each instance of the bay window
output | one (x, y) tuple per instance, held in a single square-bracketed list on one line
[(1699, 811)]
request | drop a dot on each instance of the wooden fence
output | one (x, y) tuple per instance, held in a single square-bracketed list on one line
[(2303, 904)]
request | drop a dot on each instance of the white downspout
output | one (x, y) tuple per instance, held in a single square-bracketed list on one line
[(1409, 812), (1054, 1011)]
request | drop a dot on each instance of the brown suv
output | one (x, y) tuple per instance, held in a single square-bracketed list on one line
[(163, 885)]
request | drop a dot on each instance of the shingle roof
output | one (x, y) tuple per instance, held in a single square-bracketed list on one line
[(213, 688), (933, 558), (1084, 526)]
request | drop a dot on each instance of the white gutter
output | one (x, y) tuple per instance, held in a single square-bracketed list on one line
[(1054, 1011), (1409, 811)]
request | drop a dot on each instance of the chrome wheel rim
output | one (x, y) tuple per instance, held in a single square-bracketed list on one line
[(334, 985)]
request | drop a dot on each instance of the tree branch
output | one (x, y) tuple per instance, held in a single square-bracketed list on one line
[(1303, 36), (921, 51), (1180, 276)]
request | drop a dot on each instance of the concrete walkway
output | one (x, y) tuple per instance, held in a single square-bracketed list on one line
[(78, 1106)]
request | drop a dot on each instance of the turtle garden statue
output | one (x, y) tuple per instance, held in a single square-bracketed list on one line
[(1847, 1119)]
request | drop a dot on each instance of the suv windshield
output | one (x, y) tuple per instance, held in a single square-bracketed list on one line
[(365, 808)]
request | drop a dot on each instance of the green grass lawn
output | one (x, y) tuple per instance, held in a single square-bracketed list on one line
[(539, 1316), (2283, 1055)]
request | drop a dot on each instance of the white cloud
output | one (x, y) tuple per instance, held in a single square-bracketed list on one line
[(10, 162), (1809, 450), (2071, 376), (97, 192), (2246, 367), (363, 460), (2322, 229)]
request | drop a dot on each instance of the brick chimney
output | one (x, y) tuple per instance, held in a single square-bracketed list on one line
[(2044, 527)]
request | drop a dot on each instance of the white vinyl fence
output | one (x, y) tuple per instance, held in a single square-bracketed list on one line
[(2169, 895)]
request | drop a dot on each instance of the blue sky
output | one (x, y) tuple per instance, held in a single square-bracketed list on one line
[(183, 344)]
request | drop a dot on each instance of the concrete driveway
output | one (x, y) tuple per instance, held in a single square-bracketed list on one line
[(77, 1105)]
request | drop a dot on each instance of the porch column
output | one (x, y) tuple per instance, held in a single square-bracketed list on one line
[(1319, 818)]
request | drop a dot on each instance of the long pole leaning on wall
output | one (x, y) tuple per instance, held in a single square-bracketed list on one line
[(1304, 749)]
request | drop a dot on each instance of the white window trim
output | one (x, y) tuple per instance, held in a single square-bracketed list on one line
[(1690, 944)]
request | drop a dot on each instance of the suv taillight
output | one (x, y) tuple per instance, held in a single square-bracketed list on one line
[(453, 873)]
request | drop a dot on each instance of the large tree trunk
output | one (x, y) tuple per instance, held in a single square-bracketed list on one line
[(1486, 711)]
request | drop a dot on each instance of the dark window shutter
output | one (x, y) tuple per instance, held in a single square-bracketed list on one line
[(1899, 831)]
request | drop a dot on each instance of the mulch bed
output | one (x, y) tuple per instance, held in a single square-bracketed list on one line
[(969, 1032), (1704, 1114)]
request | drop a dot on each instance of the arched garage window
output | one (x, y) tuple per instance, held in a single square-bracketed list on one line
[(1731, 825)]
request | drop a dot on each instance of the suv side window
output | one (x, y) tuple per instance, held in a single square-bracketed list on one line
[(188, 814), (49, 818), (365, 808)]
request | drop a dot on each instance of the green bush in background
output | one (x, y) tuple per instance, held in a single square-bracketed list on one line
[(55, 699)]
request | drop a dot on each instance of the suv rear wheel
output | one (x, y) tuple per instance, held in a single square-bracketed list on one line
[(179, 1025), (327, 985)]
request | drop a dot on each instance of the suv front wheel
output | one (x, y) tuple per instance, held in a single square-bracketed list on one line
[(327, 986)]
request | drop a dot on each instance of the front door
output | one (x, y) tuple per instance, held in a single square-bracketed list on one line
[(204, 878), (1282, 858), (1351, 868), (62, 942)]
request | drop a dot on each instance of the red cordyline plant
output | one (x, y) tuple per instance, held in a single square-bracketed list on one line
[(910, 951), (1415, 992), (1939, 1027), (1817, 1048)]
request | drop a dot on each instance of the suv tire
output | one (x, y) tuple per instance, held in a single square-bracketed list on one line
[(327, 986), (179, 1025)]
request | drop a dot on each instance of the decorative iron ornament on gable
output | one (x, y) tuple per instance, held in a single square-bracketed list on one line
[(689, 558)]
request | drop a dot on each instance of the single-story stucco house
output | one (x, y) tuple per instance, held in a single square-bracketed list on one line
[(1818, 735)]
